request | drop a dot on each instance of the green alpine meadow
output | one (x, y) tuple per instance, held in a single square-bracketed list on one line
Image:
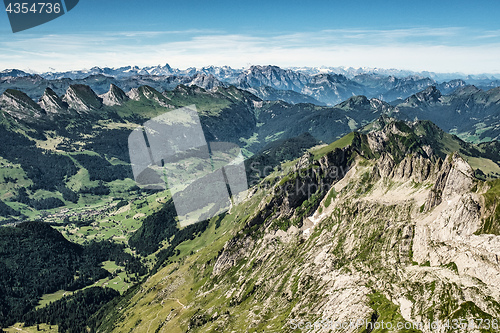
[(373, 204)]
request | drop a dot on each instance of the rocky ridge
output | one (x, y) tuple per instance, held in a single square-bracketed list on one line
[(52, 103), (393, 235), (424, 213), (19, 105), (115, 96)]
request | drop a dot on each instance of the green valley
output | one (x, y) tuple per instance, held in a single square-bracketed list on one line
[(354, 211)]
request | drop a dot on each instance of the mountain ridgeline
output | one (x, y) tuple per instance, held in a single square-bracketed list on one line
[(51, 144), (381, 225), (370, 197), (294, 85)]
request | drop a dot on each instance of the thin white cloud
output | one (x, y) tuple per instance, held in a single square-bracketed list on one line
[(438, 50), (489, 34)]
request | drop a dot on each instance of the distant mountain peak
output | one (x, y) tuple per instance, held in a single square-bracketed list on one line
[(115, 96), (144, 91), (355, 102), (19, 105), (466, 90), (431, 92), (82, 98), (51, 102), (13, 73), (148, 93), (206, 81), (430, 95)]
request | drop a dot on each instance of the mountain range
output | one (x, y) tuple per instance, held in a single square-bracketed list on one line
[(228, 72), (295, 85), (469, 112), (399, 234), (381, 207)]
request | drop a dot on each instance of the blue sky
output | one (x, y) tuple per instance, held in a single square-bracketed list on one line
[(440, 36)]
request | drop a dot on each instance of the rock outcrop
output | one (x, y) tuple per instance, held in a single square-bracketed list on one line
[(149, 93), (455, 176), (115, 96), (19, 105), (52, 103), (82, 99), (404, 231)]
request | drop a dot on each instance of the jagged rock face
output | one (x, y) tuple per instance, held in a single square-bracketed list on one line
[(82, 99), (367, 239), (234, 251), (356, 102), (455, 176), (52, 103), (412, 167), (208, 82), (460, 178), (429, 95), (134, 94), (331, 89), (271, 94), (386, 233), (149, 93), (381, 106), (19, 105), (406, 87), (7, 73), (326, 88), (189, 90), (115, 96), (399, 140), (453, 85), (319, 84), (272, 76), (308, 178), (446, 234)]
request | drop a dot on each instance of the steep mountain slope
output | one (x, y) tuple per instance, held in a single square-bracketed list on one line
[(402, 193), (115, 96), (19, 105), (376, 228), (271, 94), (484, 158), (406, 87), (66, 131), (469, 112), (226, 72), (81, 98), (52, 103)]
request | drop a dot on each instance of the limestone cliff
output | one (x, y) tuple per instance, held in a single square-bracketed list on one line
[(388, 231)]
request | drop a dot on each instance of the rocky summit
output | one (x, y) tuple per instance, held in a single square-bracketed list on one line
[(358, 215), (353, 232)]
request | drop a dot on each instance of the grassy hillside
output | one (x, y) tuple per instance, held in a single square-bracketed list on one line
[(252, 271), (247, 269)]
